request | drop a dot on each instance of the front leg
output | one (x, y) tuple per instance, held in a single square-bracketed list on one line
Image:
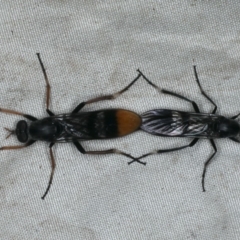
[(17, 146)]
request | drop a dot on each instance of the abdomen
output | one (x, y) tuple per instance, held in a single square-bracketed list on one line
[(127, 122), (115, 123), (101, 124)]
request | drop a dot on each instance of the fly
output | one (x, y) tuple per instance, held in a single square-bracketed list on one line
[(196, 125), (75, 126)]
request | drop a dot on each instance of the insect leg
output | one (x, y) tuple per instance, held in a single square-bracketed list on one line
[(195, 106), (50, 113), (48, 87), (17, 146), (29, 117), (202, 91), (234, 117), (206, 164), (191, 144), (234, 139), (106, 97), (53, 165), (108, 151)]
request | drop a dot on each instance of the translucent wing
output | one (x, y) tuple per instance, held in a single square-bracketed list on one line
[(164, 122), (82, 126)]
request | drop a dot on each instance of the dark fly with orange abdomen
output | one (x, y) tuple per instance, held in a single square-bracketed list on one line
[(75, 126)]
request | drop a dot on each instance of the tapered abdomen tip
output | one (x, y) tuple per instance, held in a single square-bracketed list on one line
[(127, 122)]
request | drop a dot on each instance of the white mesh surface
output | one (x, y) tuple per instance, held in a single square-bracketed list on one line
[(90, 48)]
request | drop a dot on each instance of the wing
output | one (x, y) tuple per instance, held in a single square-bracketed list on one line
[(163, 122), (80, 126), (102, 124)]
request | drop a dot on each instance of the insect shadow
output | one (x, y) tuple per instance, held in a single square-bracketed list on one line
[(75, 126), (196, 125)]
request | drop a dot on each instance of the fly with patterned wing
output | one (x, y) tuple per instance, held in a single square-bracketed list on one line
[(196, 125)]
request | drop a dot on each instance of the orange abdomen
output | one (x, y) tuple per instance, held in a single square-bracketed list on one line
[(127, 122)]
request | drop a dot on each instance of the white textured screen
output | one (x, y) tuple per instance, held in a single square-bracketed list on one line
[(90, 48)]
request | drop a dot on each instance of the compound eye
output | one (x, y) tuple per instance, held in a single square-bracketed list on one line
[(22, 131)]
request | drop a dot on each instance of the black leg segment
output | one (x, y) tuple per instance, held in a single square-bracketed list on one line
[(234, 139), (207, 163), (234, 117), (50, 113), (48, 87), (202, 91), (79, 107), (79, 147), (53, 165)]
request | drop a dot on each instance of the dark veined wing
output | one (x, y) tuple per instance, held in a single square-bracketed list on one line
[(164, 122), (82, 126)]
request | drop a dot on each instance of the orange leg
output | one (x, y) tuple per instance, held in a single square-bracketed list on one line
[(8, 111), (48, 87), (17, 146), (106, 97)]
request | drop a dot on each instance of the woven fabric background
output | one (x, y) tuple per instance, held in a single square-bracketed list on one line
[(91, 48)]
